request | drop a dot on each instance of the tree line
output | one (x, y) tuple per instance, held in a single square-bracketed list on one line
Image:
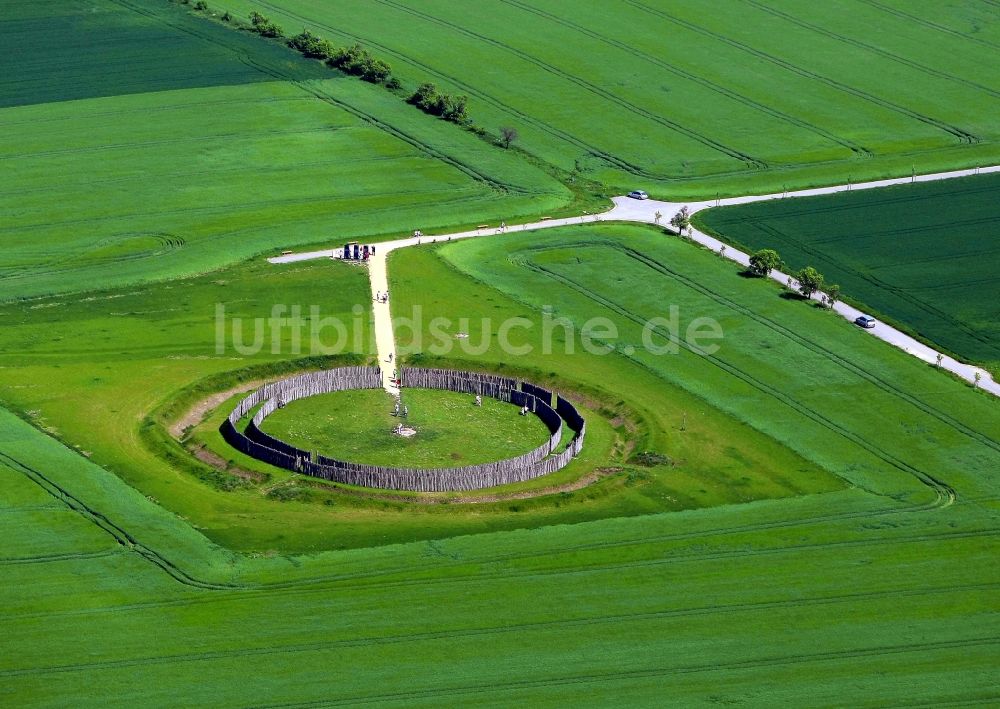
[(808, 280), (356, 60)]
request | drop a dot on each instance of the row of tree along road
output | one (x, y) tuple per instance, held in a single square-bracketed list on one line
[(808, 281)]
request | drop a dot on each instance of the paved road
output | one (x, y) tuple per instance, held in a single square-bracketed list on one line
[(631, 210)]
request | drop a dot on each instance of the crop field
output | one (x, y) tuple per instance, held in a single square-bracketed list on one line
[(694, 98), (877, 594), (451, 431), (130, 48), (922, 255), (782, 511), (163, 180)]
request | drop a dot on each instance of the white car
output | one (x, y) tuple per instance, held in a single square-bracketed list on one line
[(638, 194)]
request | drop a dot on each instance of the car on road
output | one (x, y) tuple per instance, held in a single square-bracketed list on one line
[(865, 321), (638, 194)]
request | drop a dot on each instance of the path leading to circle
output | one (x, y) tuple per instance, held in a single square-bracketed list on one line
[(645, 211)]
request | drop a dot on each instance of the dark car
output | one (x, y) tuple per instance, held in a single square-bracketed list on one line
[(865, 321)]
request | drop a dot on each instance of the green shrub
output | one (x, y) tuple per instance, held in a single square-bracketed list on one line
[(451, 108), (649, 459), (288, 493), (263, 26), (424, 97), (358, 61), (311, 46)]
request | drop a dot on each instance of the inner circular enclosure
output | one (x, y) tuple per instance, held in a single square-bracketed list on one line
[(241, 429), (451, 430)]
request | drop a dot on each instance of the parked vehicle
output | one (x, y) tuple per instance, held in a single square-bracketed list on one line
[(638, 194), (865, 321)]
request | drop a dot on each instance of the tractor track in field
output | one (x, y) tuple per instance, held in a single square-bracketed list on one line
[(188, 174), (69, 556), (703, 81), (961, 135), (119, 534), (216, 137), (210, 210), (889, 199), (429, 150), (907, 17), (787, 333), (494, 630), (164, 108), (945, 493), (382, 577), (387, 580), (913, 229), (841, 361), (750, 161), (599, 677), (379, 578), (763, 7), (17, 273), (589, 149), (165, 244)]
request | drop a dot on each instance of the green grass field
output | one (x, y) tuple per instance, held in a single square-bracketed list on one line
[(357, 426), (168, 178), (697, 98), (805, 517), (845, 598), (921, 255)]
